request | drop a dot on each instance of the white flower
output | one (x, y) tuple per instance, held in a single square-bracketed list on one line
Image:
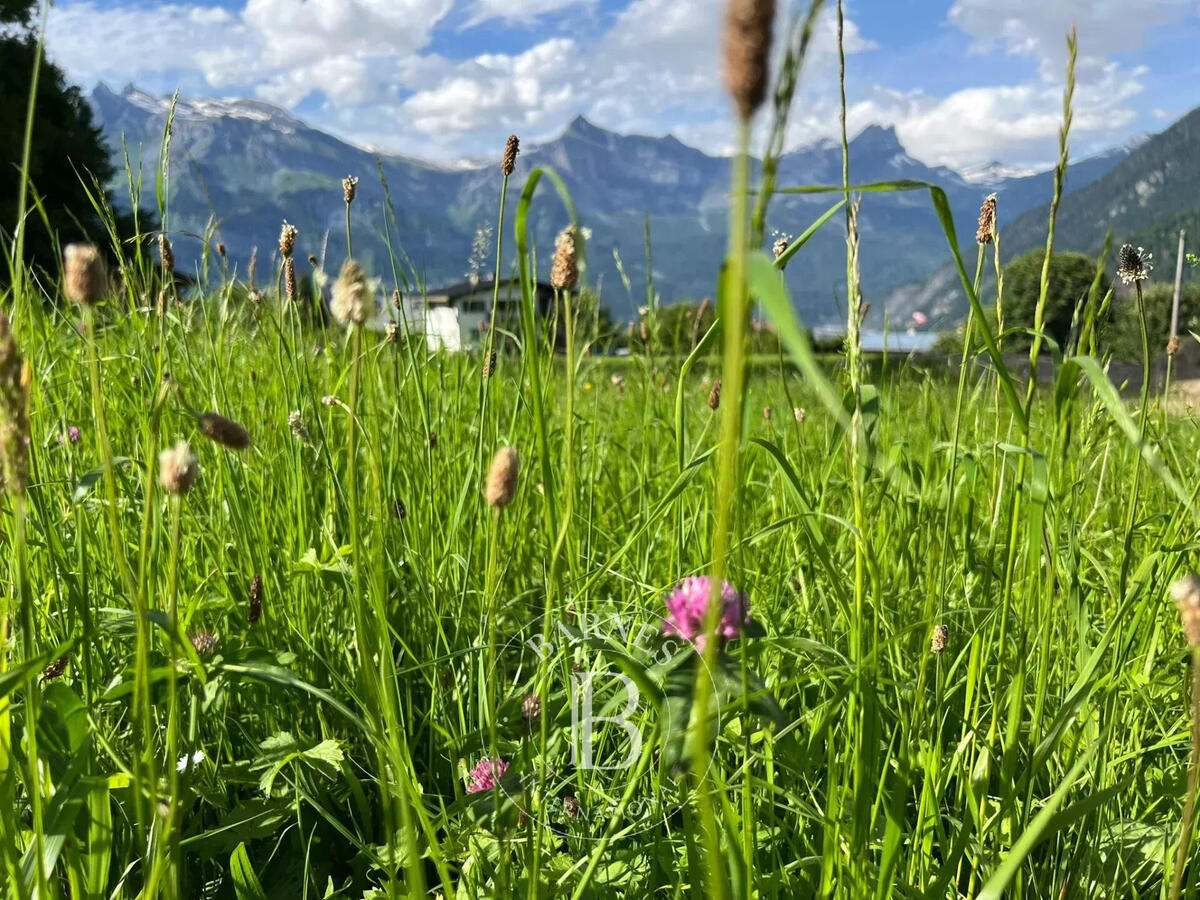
[(189, 762)]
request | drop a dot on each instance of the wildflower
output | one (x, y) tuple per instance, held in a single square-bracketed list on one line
[(1186, 594), (509, 161), (565, 270), (177, 468), (571, 807), (299, 429), (531, 706), (617, 380), (688, 604), (189, 762), (256, 597), (72, 435), (780, 246), (987, 221), (799, 413), (502, 478), (1133, 264), (287, 239), (224, 431), (55, 669), (714, 396), (919, 318), (486, 775), (747, 48), (166, 255), (352, 301), (205, 643), (939, 639), (349, 188), (84, 279)]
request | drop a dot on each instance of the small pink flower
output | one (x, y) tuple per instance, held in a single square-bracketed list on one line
[(73, 435), (919, 317), (687, 604), (486, 775)]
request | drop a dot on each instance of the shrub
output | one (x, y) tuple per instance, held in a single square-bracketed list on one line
[(1071, 277)]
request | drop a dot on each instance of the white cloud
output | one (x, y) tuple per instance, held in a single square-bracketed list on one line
[(653, 68), (1039, 27), (499, 91), (517, 10)]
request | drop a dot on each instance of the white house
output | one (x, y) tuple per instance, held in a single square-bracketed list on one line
[(455, 317)]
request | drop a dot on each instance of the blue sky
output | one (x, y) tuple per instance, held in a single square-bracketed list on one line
[(964, 82)]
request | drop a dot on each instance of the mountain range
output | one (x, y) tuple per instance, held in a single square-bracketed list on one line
[(1145, 199), (247, 166)]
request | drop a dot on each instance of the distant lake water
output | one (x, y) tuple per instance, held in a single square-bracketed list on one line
[(896, 341)]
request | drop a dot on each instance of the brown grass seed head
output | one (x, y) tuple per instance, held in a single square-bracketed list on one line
[(1186, 594), (84, 279), (15, 376), (177, 468), (287, 239), (748, 25), (509, 161), (224, 431), (501, 484), (987, 221)]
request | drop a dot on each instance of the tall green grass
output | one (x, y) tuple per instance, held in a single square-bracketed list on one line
[(323, 749)]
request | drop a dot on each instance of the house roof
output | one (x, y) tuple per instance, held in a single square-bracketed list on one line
[(453, 292)]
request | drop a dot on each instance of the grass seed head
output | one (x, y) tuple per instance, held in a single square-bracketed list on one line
[(714, 396), (349, 188), (779, 247), (256, 598), (15, 376), (987, 221), (289, 279), (1186, 594), (177, 468), (1173, 345), (1133, 264), (224, 431), (748, 25), (166, 255), (565, 271), (287, 239), (501, 484), (509, 161), (939, 639), (84, 277), (352, 302)]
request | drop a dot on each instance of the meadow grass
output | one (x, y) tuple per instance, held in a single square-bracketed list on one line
[(356, 659)]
